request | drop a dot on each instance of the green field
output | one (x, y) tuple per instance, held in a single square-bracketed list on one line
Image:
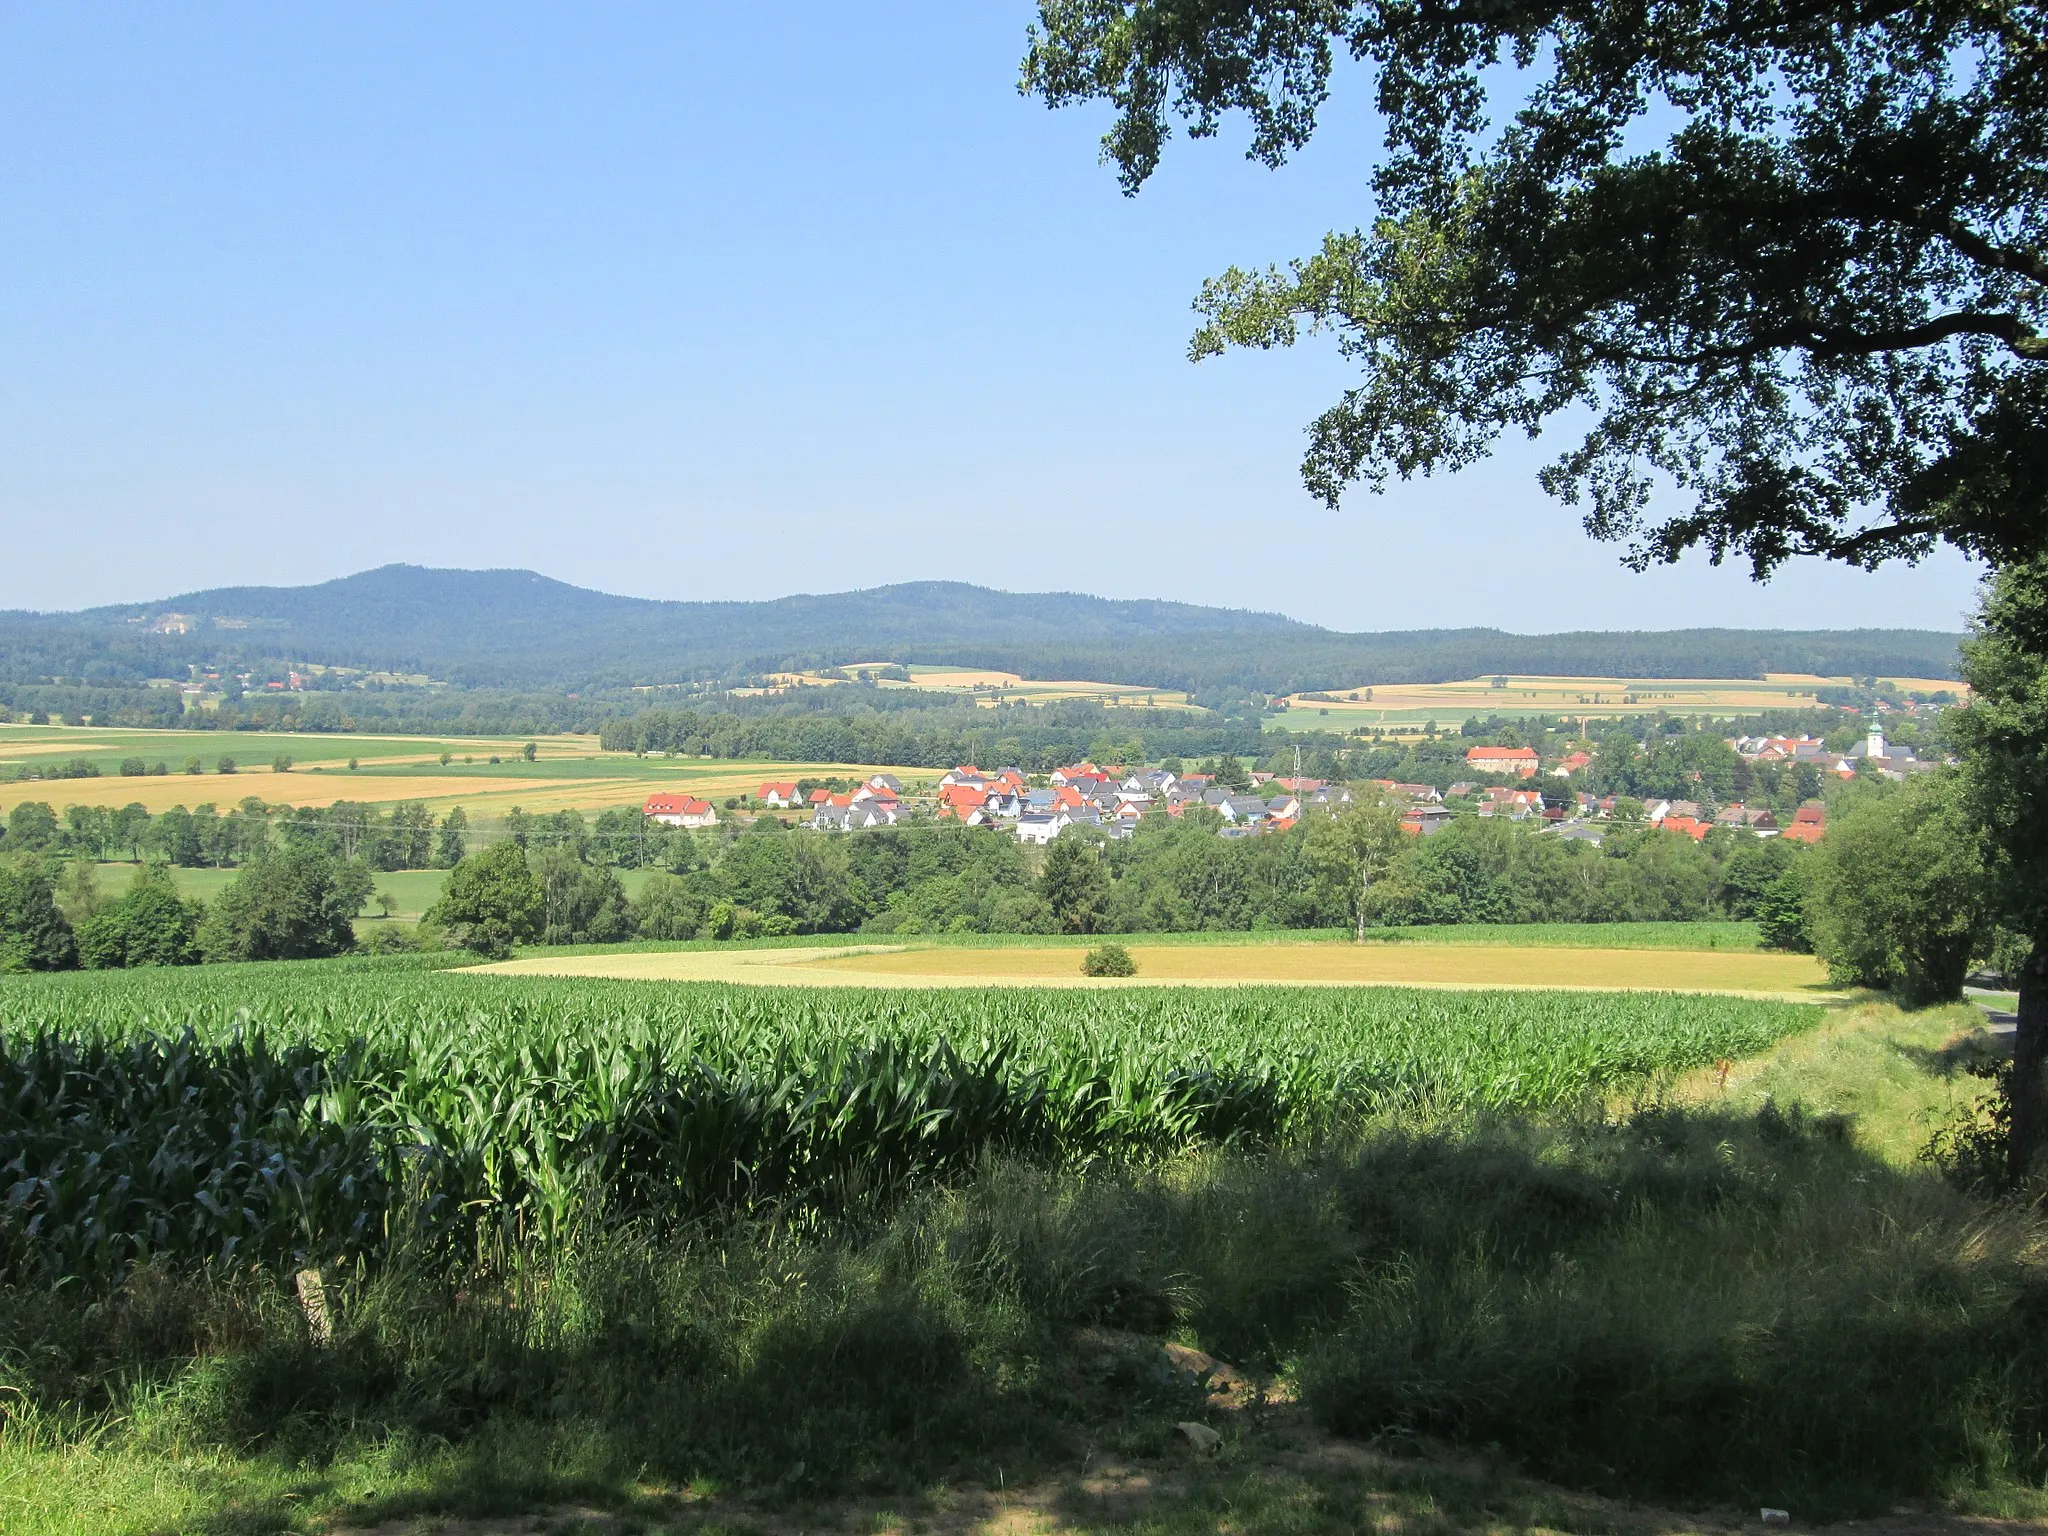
[(684, 1258), (533, 1095)]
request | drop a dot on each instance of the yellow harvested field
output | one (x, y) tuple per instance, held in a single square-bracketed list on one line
[(1218, 965), (1591, 695), (303, 789), (478, 791), (990, 687)]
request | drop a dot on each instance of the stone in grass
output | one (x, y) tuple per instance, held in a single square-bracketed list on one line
[(1200, 1436), (1108, 960)]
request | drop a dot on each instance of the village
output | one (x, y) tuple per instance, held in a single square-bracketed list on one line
[(1115, 800)]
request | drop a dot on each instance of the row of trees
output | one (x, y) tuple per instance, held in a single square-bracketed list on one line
[(1347, 870), (406, 835), (292, 903)]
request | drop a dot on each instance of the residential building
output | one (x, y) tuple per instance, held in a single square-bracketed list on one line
[(1520, 761), (680, 811), (781, 796)]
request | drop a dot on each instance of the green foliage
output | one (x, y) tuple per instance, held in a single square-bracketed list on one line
[(1895, 893), (1108, 960), (294, 904), (34, 935), (150, 925), (581, 905), (1075, 884), (492, 901), (1858, 386), (2001, 737), (452, 844), (667, 908), (1781, 913), (519, 1111), (31, 828)]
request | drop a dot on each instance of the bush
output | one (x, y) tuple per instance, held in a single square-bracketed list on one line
[(1108, 960), (296, 904), (151, 925), (1896, 892), (1781, 914)]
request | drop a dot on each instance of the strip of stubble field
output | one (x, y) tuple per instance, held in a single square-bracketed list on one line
[(1546, 968)]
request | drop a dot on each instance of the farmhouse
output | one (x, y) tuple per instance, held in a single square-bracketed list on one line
[(1516, 760), (781, 796), (681, 811)]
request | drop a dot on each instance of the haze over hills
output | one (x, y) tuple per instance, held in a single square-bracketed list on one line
[(517, 629)]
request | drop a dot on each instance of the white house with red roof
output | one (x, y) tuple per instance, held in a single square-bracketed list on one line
[(680, 811), (781, 796)]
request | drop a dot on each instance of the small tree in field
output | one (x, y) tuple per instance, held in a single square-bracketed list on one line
[(1354, 849), (1108, 960)]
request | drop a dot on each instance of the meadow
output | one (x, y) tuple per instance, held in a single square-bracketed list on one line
[(988, 687)]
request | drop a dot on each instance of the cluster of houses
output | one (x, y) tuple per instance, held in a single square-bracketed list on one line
[(1576, 814), (1082, 794), (1115, 800), (1894, 762)]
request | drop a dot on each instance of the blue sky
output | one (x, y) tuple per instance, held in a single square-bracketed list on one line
[(697, 301)]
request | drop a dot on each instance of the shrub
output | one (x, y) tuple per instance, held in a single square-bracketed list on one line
[(150, 925), (1108, 960), (1895, 894), (296, 904)]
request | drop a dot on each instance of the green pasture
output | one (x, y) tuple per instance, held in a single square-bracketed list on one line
[(42, 746)]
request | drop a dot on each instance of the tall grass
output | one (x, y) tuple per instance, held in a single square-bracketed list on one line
[(1702, 1308)]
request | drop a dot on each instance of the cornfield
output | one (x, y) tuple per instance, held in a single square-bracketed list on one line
[(303, 1113)]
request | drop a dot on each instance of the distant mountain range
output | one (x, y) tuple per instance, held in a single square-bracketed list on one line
[(520, 630)]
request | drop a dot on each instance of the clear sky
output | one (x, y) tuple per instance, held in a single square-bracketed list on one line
[(690, 300)]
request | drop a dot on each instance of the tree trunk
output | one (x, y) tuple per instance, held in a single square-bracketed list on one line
[(1364, 890), (2029, 1090)]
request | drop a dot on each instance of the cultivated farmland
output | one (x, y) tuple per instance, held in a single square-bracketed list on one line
[(1750, 972), (568, 773), (295, 1111), (1412, 704)]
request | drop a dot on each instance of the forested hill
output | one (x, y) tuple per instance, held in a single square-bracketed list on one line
[(516, 629)]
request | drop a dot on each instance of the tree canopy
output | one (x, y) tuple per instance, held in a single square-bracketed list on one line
[(1788, 256)]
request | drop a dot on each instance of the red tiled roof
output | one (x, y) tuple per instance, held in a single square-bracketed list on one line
[(674, 805)]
